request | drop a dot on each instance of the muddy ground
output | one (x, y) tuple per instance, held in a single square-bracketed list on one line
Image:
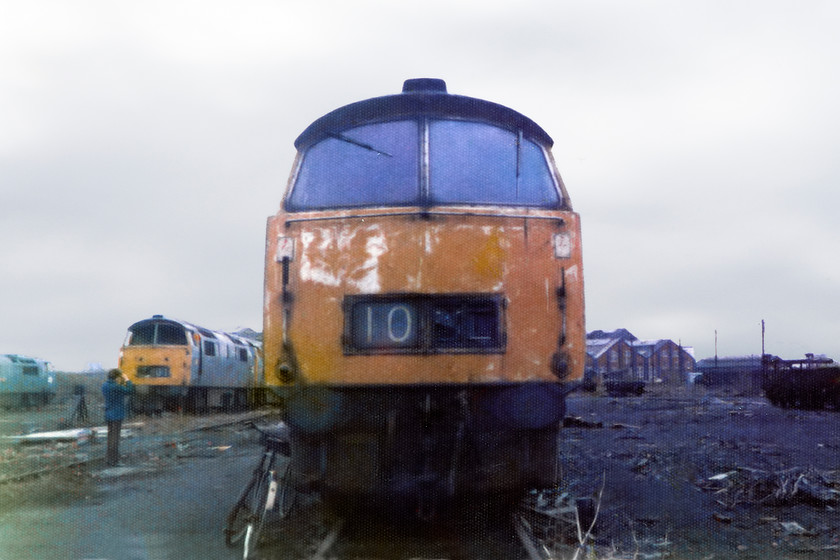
[(686, 475), (160, 438), (695, 475)]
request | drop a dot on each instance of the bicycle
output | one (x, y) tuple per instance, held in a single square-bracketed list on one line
[(269, 490)]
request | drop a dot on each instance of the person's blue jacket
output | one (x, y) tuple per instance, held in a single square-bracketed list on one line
[(114, 394)]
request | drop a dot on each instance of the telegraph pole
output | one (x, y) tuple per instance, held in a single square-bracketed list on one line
[(715, 347), (762, 337)]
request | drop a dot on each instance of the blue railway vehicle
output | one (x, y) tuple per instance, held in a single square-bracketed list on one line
[(177, 365), (25, 381)]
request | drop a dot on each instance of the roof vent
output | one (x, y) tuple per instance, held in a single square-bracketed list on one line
[(424, 85)]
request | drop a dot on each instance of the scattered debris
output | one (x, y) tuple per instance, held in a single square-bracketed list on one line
[(643, 464), (557, 518), (722, 476), (78, 435), (791, 486), (794, 528), (719, 517), (578, 422), (621, 426)]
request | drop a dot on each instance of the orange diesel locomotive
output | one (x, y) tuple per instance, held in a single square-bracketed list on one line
[(424, 314)]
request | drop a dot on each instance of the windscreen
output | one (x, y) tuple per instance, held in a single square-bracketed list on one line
[(370, 165), (147, 334), (426, 163), (477, 163)]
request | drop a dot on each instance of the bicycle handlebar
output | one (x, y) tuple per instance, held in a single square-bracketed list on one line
[(276, 437)]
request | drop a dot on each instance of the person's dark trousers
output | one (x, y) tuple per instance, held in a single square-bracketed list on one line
[(112, 458)]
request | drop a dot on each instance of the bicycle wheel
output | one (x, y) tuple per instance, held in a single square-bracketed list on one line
[(285, 500), (240, 515), (263, 501)]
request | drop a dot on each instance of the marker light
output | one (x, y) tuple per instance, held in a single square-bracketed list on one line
[(562, 245)]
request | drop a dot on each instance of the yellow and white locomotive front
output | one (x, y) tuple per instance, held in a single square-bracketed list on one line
[(157, 356), (424, 298), (177, 365)]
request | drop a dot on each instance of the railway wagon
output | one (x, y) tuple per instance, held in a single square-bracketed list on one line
[(812, 383), (25, 381), (176, 365), (424, 310)]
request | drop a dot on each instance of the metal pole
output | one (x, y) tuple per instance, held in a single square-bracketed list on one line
[(762, 337)]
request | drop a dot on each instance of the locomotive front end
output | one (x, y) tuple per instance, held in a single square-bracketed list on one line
[(177, 365), (424, 299), (157, 357)]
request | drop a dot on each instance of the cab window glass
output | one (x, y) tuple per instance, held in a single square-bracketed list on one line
[(476, 163), (379, 165), (372, 165), (143, 335), (536, 183), (470, 162), (171, 334)]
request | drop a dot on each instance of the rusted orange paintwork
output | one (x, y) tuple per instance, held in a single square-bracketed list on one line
[(439, 251)]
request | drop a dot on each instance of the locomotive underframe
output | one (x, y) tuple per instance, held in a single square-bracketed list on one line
[(154, 399), (423, 446), (26, 399)]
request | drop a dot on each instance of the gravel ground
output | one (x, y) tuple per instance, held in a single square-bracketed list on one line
[(692, 475), (700, 476)]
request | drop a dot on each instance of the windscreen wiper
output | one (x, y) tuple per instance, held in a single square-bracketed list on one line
[(343, 138)]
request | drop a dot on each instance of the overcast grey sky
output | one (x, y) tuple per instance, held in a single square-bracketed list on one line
[(143, 145)]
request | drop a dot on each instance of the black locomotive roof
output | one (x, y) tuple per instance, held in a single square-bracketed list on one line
[(161, 319), (205, 332), (421, 97)]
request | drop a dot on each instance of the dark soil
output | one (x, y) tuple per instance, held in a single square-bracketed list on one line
[(701, 476), (688, 475)]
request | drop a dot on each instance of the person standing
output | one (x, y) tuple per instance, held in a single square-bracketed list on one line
[(115, 389)]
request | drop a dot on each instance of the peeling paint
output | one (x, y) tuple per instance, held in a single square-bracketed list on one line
[(376, 246), (345, 239), (398, 254), (312, 269), (327, 256)]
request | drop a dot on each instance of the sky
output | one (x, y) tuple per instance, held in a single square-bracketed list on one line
[(144, 144)]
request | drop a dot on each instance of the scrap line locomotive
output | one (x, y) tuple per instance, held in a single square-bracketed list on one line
[(25, 381), (423, 310), (176, 365), (812, 383)]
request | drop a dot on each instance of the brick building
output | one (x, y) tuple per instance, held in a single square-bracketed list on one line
[(619, 354)]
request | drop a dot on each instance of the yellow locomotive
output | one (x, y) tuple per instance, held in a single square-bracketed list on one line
[(424, 309), (177, 365)]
